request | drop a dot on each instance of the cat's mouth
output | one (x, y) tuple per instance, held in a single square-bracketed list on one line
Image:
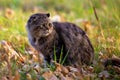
[(47, 32)]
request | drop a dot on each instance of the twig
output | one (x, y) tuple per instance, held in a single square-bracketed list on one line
[(97, 18), (9, 67)]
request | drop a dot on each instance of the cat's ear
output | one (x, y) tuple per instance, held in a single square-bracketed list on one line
[(48, 14)]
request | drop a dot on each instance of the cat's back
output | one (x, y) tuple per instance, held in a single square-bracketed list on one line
[(76, 42), (68, 28)]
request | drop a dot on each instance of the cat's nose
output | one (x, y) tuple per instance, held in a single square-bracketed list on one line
[(47, 27)]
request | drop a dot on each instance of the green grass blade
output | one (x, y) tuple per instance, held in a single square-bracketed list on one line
[(55, 58), (61, 55), (65, 58)]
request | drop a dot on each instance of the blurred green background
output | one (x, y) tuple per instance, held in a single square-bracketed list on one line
[(15, 13)]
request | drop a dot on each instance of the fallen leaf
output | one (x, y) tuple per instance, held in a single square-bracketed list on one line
[(117, 69), (49, 76), (90, 69), (72, 69), (64, 70), (17, 76), (69, 78), (72, 75), (9, 13), (28, 76), (9, 50), (104, 74), (4, 78), (26, 68)]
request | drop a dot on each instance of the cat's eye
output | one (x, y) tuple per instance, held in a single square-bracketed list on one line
[(43, 25), (50, 24)]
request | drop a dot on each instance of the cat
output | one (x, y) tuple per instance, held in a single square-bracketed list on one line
[(52, 38)]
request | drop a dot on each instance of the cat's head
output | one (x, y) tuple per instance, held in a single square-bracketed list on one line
[(39, 25)]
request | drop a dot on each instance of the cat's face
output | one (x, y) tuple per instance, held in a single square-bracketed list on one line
[(39, 25)]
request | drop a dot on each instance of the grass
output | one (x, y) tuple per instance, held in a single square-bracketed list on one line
[(12, 27)]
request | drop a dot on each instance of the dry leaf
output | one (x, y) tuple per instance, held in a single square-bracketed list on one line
[(104, 74), (90, 69), (37, 68), (28, 76), (117, 69), (49, 76), (72, 75), (53, 78), (4, 78), (72, 69), (58, 67), (64, 70), (26, 68), (111, 39), (61, 68), (9, 13), (17, 76), (114, 56), (61, 76), (9, 50), (69, 78)]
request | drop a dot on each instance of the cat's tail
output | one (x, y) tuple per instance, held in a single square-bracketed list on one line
[(112, 62)]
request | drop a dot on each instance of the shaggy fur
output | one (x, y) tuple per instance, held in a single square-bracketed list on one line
[(45, 36)]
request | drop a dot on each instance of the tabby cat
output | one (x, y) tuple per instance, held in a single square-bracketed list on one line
[(53, 37)]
